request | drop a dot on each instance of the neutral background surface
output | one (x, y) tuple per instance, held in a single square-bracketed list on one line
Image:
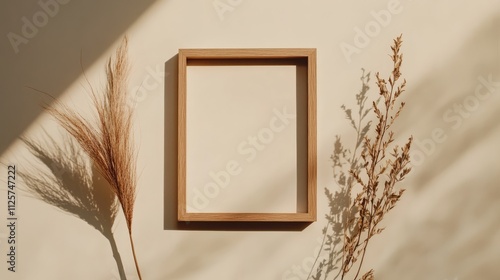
[(243, 117), (446, 227)]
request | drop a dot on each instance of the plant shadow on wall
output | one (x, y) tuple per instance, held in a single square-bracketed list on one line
[(66, 180), (105, 137), (366, 177)]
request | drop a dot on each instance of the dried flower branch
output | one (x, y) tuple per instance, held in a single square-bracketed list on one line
[(106, 137), (374, 169)]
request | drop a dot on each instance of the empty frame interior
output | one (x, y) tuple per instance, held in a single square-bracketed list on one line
[(247, 135)]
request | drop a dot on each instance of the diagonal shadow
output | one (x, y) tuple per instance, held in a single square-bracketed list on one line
[(458, 182), (49, 57), (451, 85), (67, 180)]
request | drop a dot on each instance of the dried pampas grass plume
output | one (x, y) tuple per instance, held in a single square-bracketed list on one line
[(106, 136)]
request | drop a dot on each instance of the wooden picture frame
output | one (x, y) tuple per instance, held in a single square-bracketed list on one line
[(302, 57)]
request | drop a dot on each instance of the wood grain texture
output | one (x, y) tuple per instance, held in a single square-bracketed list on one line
[(181, 163), (311, 136), (248, 57), (249, 217), (245, 53)]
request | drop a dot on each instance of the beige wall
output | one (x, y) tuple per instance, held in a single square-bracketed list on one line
[(447, 225)]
